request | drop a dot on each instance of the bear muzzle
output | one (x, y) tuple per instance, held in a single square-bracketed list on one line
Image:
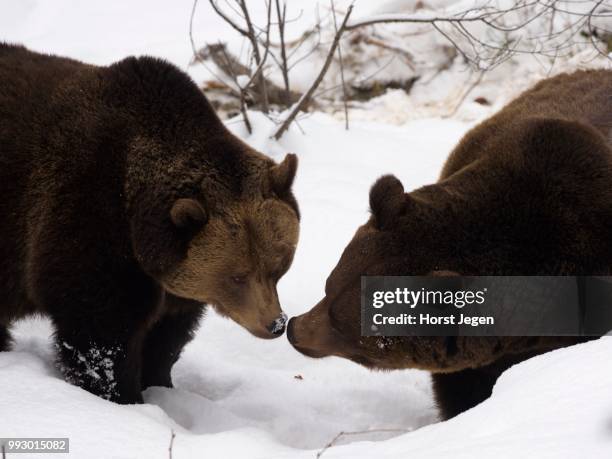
[(311, 333), (277, 327), (261, 327)]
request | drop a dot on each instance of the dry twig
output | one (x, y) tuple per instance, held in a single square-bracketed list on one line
[(281, 15), (344, 96), (305, 99), (252, 36), (172, 435), (361, 432), (506, 23)]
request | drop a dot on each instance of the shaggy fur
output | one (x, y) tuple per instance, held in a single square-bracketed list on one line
[(527, 192), (110, 177)]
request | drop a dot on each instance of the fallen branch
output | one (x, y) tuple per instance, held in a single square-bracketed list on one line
[(360, 432), (223, 59), (172, 435), (230, 67), (408, 57), (305, 99)]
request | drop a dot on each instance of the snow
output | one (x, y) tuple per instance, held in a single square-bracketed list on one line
[(240, 397), (236, 405), (554, 406)]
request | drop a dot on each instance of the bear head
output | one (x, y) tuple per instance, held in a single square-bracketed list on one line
[(238, 252), (427, 232), (210, 219)]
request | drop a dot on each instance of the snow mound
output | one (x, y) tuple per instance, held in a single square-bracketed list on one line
[(558, 405)]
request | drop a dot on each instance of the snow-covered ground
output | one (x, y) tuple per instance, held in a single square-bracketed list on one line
[(237, 396), (239, 399)]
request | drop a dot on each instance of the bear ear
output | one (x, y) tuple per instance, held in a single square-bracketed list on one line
[(188, 214), (387, 200), (283, 174)]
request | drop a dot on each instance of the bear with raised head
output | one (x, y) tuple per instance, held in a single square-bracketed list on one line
[(126, 206), (527, 192)]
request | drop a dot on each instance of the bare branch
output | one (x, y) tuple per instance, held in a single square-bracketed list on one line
[(242, 92), (403, 18), (344, 96), (407, 55), (591, 31), (227, 63), (252, 36), (484, 36), (486, 54), (196, 54), (193, 10), (257, 72), (245, 116), (227, 19), (359, 82), (305, 99), (281, 15)]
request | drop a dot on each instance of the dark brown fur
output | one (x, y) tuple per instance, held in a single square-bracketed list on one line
[(111, 180), (527, 192)]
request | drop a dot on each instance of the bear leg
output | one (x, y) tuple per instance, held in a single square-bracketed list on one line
[(459, 391), (105, 365), (166, 339), (99, 339), (5, 338)]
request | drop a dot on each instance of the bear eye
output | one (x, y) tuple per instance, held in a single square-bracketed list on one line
[(241, 279)]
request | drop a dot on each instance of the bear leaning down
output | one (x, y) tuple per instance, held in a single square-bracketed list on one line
[(126, 206), (527, 192)]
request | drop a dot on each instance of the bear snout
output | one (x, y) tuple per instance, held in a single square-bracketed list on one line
[(277, 327), (311, 335), (294, 341)]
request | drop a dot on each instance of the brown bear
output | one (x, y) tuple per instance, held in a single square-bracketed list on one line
[(527, 192), (126, 206)]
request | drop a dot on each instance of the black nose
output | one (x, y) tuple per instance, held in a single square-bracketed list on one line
[(277, 327)]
